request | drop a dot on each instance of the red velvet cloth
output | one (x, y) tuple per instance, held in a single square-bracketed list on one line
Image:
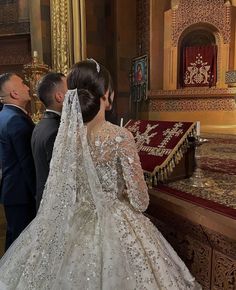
[(200, 66), (158, 141)]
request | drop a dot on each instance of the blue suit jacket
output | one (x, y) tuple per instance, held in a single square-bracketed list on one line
[(18, 172)]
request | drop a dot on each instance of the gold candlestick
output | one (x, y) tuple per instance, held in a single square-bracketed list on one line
[(33, 72)]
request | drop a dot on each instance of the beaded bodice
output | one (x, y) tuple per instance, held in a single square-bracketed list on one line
[(118, 167)]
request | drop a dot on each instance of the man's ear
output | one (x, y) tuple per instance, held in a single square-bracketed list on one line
[(14, 95), (59, 97)]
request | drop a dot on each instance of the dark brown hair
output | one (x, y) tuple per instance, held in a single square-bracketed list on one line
[(92, 81), (46, 87), (3, 79)]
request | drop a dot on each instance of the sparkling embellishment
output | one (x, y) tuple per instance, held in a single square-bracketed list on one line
[(73, 245), (118, 139)]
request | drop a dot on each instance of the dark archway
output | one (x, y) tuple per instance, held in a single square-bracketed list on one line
[(198, 35)]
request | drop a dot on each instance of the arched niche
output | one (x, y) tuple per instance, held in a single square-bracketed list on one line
[(201, 34)]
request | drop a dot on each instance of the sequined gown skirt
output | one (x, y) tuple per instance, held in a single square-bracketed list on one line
[(124, 251)]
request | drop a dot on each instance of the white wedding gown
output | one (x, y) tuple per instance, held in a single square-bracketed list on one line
[(72, 245)]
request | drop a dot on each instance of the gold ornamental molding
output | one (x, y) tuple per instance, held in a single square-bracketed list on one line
[(193, 93), (68, 31), (60, 28)]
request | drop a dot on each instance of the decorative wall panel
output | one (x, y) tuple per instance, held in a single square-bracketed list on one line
[(8, 12), (209, 255), (9, 22), (14, 59), (190, 105), (7, 2), (224, 272), (187, 13), (189, 242), (143, 27)]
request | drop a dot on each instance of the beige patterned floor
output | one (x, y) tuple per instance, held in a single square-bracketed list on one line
[(218, 169)]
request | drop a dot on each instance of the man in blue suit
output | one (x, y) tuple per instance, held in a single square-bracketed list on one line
[(17, 189)]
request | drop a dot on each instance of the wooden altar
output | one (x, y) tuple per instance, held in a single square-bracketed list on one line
[(205, 240)]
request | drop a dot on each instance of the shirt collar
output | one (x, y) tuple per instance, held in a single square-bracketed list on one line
[(22, 109), (56, 112)]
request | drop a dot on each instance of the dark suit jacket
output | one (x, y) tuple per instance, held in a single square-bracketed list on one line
[(18, 171), (42, 143)]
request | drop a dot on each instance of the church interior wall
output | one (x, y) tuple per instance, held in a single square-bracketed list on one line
[(157, 9), (116, 32), (214, 107), (111, 39), (125, 51), (232, 58), (15, 40), (101, 31), (46, 31), (96, 29)]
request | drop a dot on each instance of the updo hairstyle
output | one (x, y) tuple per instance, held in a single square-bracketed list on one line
[(92, 80)]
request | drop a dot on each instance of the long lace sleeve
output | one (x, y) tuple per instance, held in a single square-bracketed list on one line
[(137, 191)]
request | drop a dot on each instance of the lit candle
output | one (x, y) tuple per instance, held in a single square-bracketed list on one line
[(35, 53), (121, 122), (198, 128)]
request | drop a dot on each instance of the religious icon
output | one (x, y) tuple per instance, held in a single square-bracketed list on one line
[(139, 78), (139, 70), (139, 73)]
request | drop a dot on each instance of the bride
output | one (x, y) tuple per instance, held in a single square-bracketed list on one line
[(90, 232)]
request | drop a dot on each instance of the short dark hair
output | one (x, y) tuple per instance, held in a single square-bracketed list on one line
[(3, 79), (92, 80), (46, 87)]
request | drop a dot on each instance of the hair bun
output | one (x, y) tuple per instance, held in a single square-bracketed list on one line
[(92, 81), (89, 103)]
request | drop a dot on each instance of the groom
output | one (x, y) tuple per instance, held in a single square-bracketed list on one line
[(51, 91)]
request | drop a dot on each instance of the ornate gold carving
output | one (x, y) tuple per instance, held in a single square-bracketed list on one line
[(33, 72), (61, 35), (68, 33)]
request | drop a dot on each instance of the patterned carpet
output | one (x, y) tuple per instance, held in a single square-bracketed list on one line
[(217, 161)]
